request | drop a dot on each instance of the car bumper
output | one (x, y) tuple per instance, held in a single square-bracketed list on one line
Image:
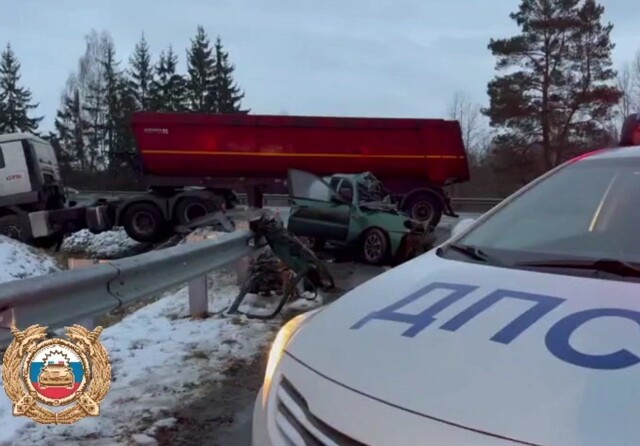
[(259, 432), (303, 404)]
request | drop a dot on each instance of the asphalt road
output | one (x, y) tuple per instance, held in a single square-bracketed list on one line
[(223, 416)]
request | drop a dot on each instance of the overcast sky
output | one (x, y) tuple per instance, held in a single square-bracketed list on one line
[(329, 57)]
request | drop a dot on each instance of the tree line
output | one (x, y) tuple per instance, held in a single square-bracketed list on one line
[(555, 94), (92, 125)]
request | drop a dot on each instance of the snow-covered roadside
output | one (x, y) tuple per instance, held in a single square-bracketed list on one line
[(19, 261), (106, 245), (159, 358)]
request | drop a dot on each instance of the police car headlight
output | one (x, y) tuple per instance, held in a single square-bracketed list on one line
[(279, 344)]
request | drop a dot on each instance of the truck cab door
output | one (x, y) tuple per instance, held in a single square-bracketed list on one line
[(14, 174), (316, 209)]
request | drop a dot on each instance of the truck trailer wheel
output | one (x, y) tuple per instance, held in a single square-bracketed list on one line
[(424, 207), (191, 208), (144, 222), (13, 227)]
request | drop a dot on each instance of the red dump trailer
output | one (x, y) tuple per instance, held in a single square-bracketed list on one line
[(415, 158)]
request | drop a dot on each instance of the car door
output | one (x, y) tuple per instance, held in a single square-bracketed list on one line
[(317, 210)]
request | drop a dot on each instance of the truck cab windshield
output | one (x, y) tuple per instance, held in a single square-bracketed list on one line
[(585, 211)]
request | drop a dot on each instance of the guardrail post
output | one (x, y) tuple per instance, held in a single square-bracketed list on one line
[(198, 297)]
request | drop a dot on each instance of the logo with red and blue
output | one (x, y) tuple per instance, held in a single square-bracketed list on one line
[(57, 372)]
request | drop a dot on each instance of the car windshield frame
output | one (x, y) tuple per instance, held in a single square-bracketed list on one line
[(507, 236)]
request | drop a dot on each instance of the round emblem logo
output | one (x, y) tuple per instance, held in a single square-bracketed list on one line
[(57, 371), (71, 375)]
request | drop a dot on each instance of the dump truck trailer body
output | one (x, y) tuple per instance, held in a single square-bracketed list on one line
[(415, 158)]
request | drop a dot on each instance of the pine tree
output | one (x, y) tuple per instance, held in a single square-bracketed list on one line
[(141, 72), (200, 67), (112, 94), (120, 103), (71, 127), (558, 94), (168, 89), (15, 101), (225, 96)]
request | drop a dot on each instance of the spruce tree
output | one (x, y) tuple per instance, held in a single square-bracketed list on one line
[(558, 92), (15, 101), (113, 91), (141, 73), (71, 127), (225, 95), (200, 67), (168, 89)]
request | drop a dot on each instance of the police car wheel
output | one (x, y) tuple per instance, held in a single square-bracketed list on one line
[(375, 246)]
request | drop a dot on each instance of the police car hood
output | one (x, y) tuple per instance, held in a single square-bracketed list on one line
[(542, 358)]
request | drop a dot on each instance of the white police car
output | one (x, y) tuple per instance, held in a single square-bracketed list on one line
[(524, 329)]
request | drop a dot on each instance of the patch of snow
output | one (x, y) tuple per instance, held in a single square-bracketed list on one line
[(159, 358), (19, 261), (165, 422), (108, 244), (204, 233), (144, 440)]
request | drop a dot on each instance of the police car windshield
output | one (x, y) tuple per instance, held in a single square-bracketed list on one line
[(587, 210)]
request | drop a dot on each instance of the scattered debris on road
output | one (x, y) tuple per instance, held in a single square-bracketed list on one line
[(296, 264)]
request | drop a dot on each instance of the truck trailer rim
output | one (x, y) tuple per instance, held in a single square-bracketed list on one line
[(194, 211), (143, 222), (423, 211)]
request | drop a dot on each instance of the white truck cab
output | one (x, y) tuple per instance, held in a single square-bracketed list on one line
[(32, 199)]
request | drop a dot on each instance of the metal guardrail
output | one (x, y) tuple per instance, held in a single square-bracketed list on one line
[(459, 203), (80, 296)]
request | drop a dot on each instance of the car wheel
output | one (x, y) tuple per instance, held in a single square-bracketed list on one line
[(143, 222), (375, 246)]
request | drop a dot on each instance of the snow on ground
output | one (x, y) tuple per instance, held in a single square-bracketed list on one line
[(159, 358), (108, 244), (19, 261)]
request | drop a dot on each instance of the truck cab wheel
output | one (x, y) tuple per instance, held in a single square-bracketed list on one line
[(424, 207), (374, 247), (143, 222), (13, 227), (191, 208)]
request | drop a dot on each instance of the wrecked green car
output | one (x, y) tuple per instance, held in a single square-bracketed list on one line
[(355, 212)]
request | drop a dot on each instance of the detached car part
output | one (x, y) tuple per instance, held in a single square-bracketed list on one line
[(295, 257)]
